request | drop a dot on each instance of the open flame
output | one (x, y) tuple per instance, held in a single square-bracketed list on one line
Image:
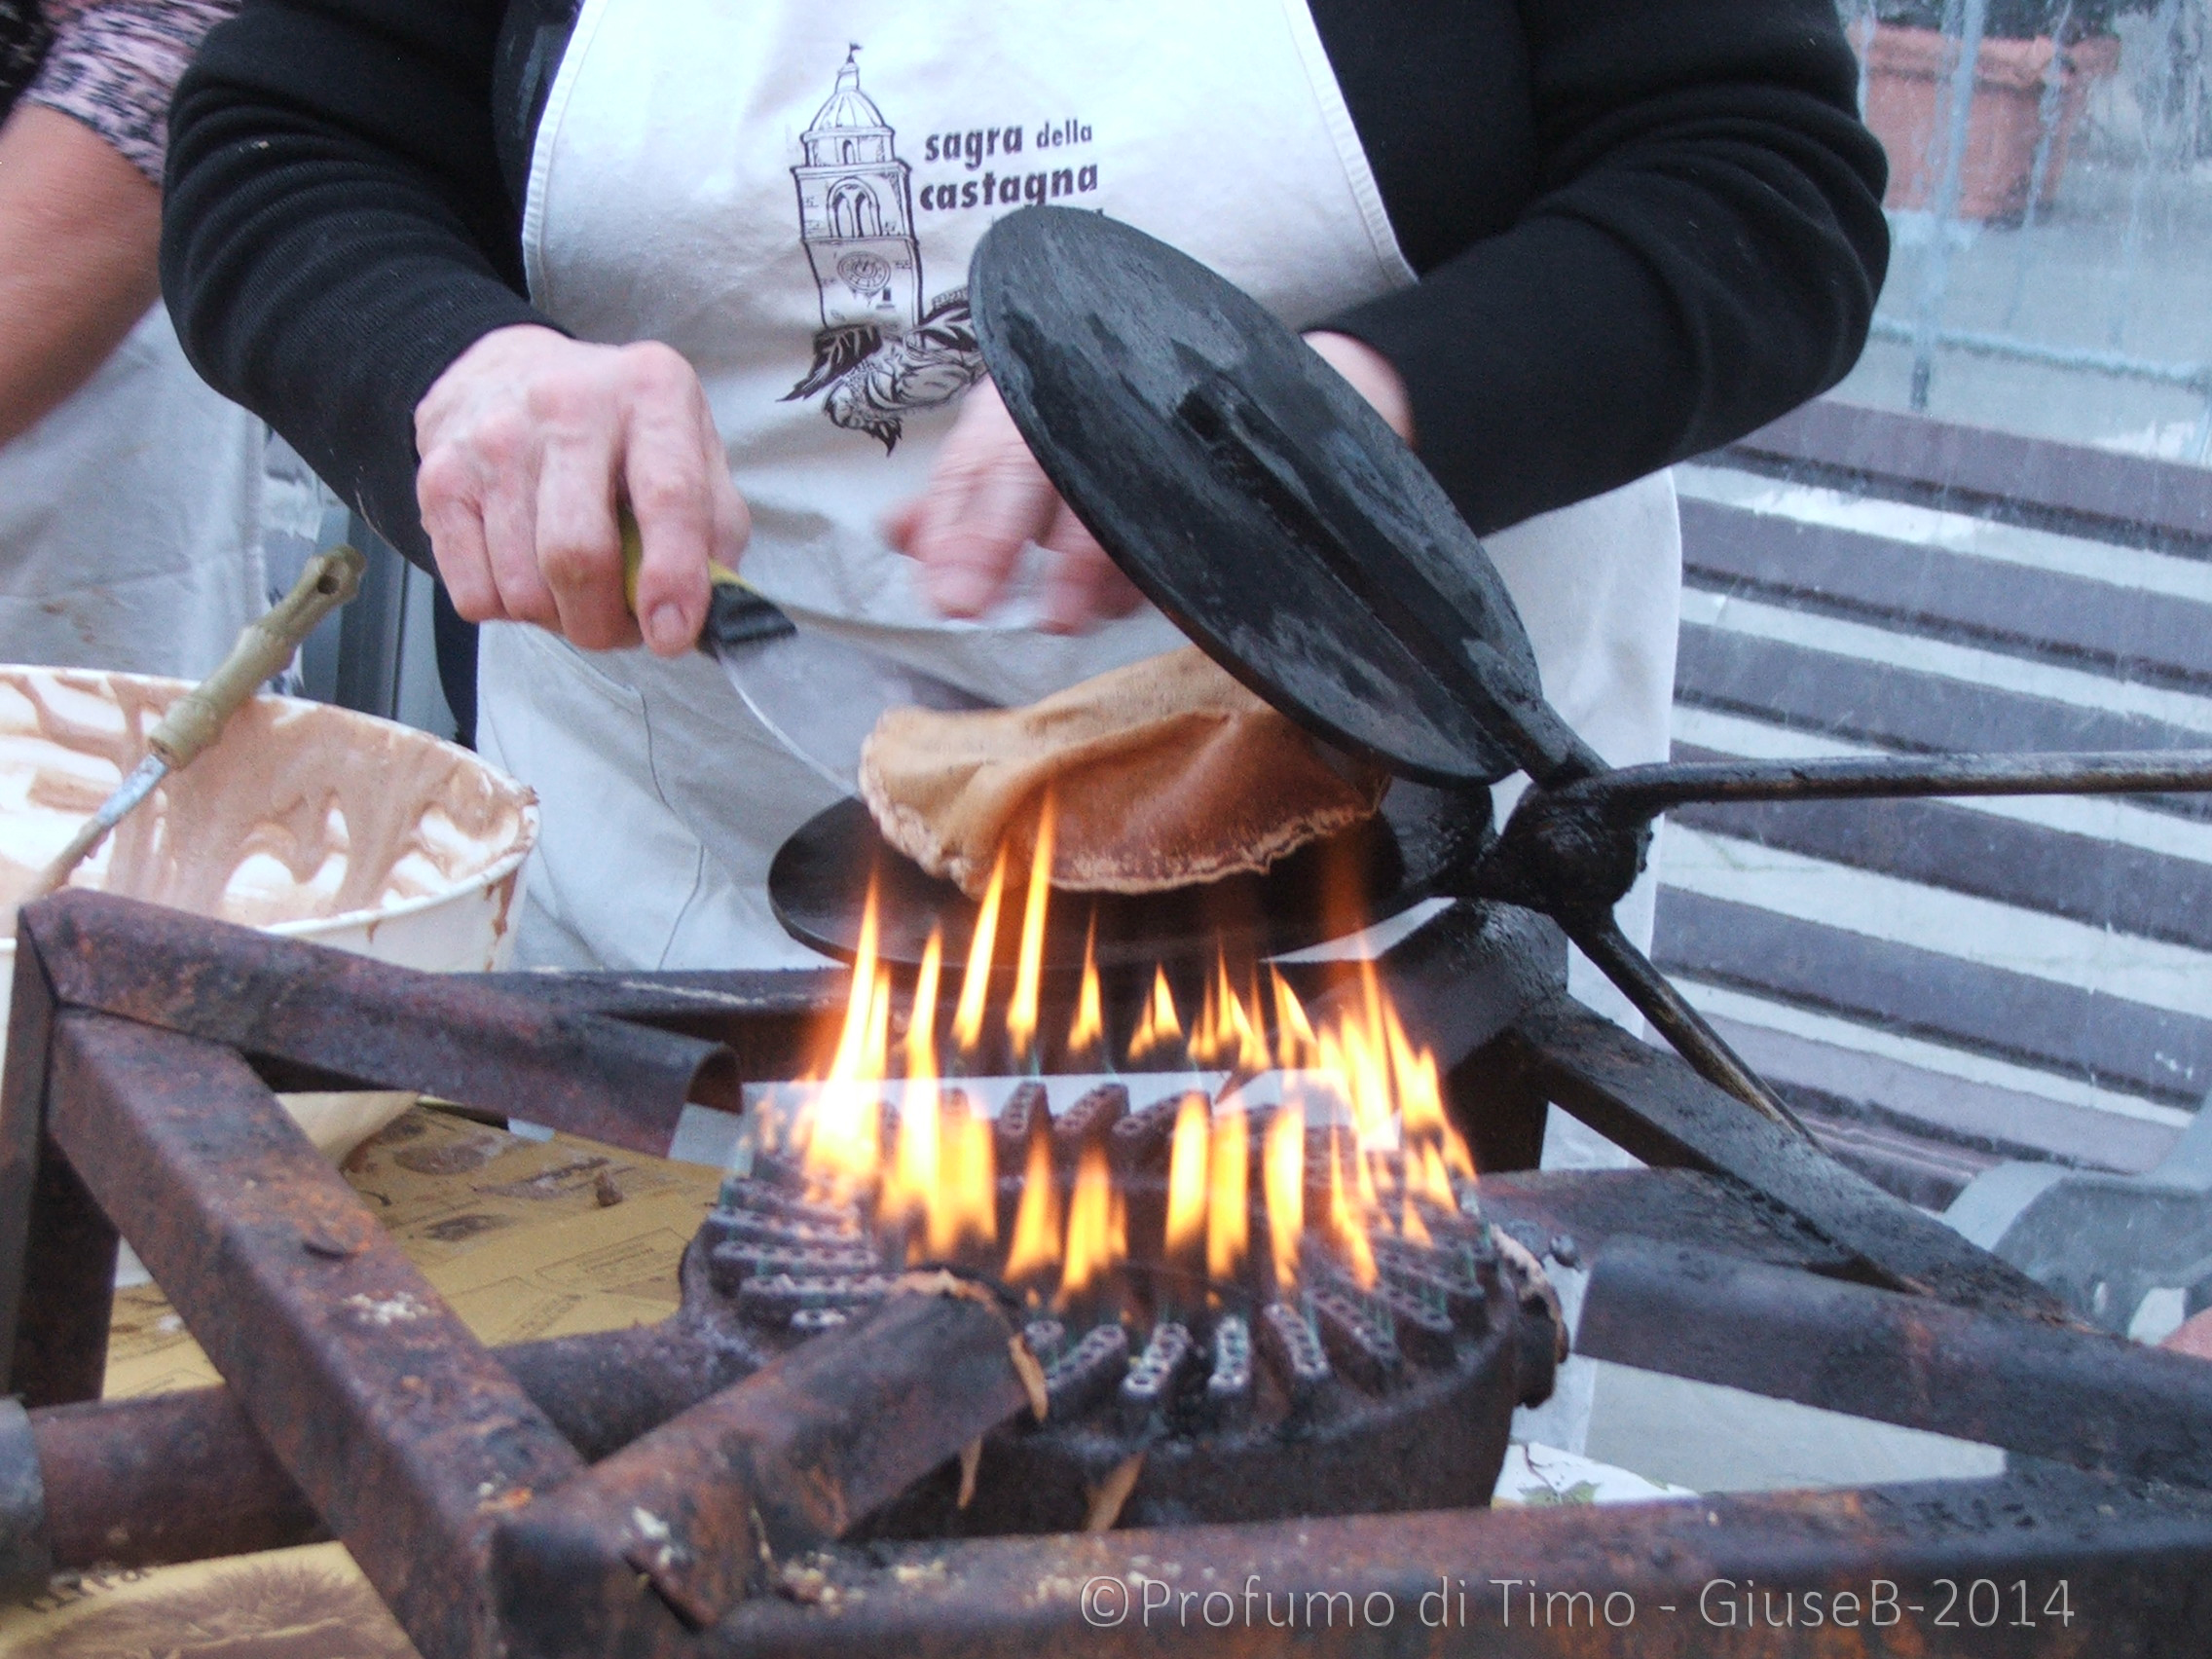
[(1351, 1148)]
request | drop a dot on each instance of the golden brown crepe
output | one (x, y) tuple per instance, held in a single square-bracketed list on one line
[(1163, 773)]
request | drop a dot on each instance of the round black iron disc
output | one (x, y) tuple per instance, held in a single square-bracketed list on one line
[(818, 881), (1255, 497)]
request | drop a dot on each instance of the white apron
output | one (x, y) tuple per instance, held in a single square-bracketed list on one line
[(130, 519), (789, 195)]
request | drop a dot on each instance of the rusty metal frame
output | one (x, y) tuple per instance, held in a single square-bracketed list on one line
[(492, 1498)]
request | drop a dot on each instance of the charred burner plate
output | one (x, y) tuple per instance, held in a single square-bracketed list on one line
[(1243, 1403)]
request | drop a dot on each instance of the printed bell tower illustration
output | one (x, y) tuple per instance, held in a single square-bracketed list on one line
[(857, 213)]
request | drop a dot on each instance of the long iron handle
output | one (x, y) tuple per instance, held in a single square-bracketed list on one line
[(1656, 999), (1640, 793), (1583, 838)]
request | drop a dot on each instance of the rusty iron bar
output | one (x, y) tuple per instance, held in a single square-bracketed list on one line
[(666, 1536), (771, 1020), (2080, 1397), (1573, 849), (27, 1548), (273, 1000), (144, 1482), (408, 1438), (1579, 847), (184, 1477), (2139, 1556), (1651, 1103), (57, 1252), (1587, 1209), (1538, 1583)]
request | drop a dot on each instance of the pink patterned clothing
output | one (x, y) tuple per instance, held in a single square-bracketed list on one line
[(114, 64)]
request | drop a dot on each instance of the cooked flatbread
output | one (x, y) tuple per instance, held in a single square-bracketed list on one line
[(1163, 773)]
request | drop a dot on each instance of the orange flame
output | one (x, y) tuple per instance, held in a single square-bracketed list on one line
[(966, 1212), (975, 982), (1294, 1032), (1229, 1030), (914, 1160), (1283, 1170), (1228, 1210), (1097, 1226), (844, 1131), (1021, 1013), (1409, 1224), (1187, 1194), (1089, 1028), (1037, 1223), (1159, 1025), (931, 1180), (921, 1023), (1344, 1224)]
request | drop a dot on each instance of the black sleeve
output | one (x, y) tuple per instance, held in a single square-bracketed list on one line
[(336, 228), (1699, 251), (1650, 227)]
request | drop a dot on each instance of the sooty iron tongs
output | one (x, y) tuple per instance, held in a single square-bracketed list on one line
[(1259, 501)]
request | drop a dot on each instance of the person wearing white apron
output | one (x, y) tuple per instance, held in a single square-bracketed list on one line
[(129, 490), (797, 181), (130, 520), (754, 223)]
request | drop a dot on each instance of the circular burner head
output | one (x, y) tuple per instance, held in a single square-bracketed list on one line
[(1246, 1400)]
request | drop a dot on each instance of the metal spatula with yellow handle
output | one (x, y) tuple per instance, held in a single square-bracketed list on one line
[(817, 692), (196, 718)]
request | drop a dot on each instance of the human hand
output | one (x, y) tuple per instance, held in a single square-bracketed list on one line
[(2195, 1336), (1371, 374), (527, 442), (987, 497)]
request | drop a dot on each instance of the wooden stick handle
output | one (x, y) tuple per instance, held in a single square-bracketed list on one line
[(197, 719)]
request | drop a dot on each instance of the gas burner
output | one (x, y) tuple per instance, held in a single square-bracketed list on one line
[(682, 1491), (1378, 1374)]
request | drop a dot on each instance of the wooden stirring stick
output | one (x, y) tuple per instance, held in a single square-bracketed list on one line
[(196, 718)]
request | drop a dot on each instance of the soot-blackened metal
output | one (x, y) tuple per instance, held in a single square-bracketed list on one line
[(153, 1480), (1383, 1396)]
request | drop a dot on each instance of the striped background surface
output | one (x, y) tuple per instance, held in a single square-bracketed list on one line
[(1940, 985)]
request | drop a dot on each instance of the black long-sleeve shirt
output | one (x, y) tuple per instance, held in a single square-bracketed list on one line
[(1642, 227)]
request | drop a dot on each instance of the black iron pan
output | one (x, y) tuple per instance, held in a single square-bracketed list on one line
[(1248, 491), (1419, 847)]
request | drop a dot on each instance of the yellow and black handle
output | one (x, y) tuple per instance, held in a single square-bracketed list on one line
[(738, 615)]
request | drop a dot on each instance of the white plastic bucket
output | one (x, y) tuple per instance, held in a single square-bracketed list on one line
[(305, 820)]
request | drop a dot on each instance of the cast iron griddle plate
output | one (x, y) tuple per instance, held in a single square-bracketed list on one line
[(1254, 497), (818, 880)]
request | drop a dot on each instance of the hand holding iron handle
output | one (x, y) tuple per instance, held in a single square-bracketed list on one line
[(530, 441), (1179, 418)]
